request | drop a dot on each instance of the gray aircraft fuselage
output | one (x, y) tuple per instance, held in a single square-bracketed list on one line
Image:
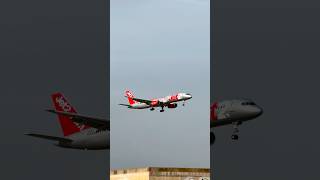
[(232, 112), (88, 139)]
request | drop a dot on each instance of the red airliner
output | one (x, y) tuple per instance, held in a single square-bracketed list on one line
[(168, 101)]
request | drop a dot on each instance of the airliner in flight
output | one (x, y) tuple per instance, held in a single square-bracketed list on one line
[(80, 132), (168, 101), (232, 112)]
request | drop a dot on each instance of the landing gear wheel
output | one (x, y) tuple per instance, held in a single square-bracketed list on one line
[(183, 103), (235, 137), (162, 110), (151, 109)]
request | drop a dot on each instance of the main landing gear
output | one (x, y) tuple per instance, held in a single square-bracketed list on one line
[(235, 135), (162, 110), (212, 138), (152, 109)]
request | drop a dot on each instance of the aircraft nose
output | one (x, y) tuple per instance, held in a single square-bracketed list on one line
[(188, 96), (260, 111), (254, 111), (257, 111)]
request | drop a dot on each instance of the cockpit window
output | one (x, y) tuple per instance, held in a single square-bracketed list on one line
[(188, 94), (248, 103)]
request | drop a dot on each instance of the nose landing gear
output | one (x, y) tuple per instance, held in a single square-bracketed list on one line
[(162, 110), (235, 135)]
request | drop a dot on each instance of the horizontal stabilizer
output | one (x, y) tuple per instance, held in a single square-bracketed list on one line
[(124, 105), (97, 123), (52, 138)]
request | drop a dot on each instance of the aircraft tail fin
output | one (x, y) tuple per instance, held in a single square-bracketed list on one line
[(129, 95), (61, 104)]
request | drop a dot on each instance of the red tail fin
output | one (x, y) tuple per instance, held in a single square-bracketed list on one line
[(130, 96), (61, 104)]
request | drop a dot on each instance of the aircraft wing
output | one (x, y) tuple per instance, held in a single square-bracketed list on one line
[(53, 138), (143, 101), (218, 123), (97, 123), (149, 102)]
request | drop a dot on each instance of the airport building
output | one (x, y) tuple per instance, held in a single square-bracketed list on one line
[(160, 173)]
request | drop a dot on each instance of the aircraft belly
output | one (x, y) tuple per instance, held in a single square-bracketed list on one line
[(97, 141), (140, 106)]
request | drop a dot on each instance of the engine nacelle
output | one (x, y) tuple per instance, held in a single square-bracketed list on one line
[(154, 102), (173, 105)]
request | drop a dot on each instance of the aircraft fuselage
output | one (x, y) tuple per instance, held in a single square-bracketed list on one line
[(232, 112), (89, 139)]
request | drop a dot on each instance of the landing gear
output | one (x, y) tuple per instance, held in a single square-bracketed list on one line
[(152, 109), (183, 103), (212, 138), (162, 110), (235, 135)]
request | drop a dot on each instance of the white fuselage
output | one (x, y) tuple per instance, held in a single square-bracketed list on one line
[(166, 100), (236, 110), (139, 105), (89, 139)]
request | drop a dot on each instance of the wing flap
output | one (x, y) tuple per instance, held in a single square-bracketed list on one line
[(218, 123)]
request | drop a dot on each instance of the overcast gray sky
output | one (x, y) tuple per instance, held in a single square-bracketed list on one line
[(160, 47)]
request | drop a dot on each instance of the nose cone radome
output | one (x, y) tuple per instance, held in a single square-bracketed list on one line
[(255, 111)]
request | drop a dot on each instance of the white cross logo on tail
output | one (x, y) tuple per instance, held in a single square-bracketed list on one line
[(67, 108)]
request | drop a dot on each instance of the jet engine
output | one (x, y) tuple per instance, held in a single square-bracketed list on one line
[(154, 102), (173, 105)]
